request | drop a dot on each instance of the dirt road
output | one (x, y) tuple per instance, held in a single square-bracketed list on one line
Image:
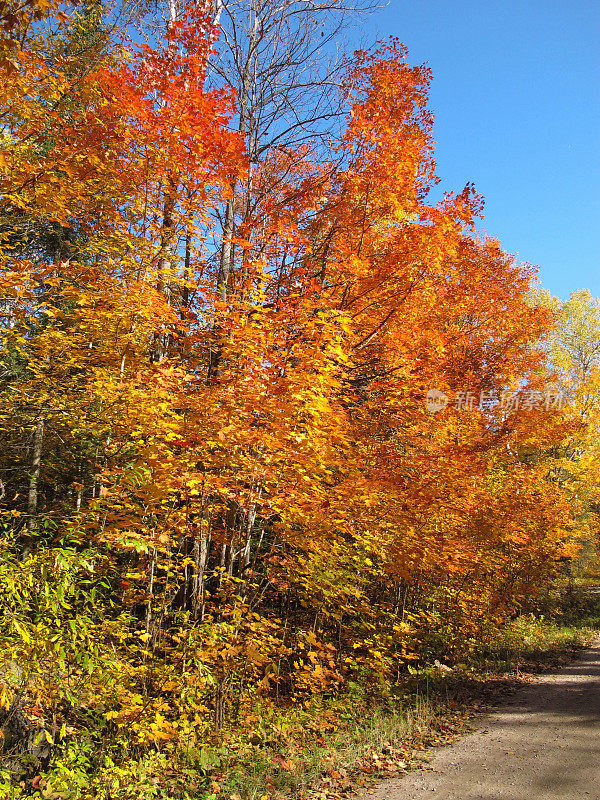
[(542, 744)]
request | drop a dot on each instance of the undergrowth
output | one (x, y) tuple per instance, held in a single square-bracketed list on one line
[(327, 746)]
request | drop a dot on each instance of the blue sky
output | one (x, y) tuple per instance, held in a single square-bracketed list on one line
[(516, 98)]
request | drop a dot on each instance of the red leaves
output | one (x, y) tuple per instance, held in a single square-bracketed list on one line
[(283, 763)]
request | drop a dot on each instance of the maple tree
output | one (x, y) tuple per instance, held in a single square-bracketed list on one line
[(221, 484)]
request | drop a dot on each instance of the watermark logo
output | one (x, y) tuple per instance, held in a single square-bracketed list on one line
[(435, 401), (508, 401)]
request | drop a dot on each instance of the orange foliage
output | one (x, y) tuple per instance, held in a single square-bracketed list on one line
[(258, 461)]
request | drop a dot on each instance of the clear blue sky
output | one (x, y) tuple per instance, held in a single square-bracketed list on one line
[(516, 98)]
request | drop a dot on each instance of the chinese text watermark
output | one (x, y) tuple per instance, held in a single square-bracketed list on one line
[(509, 401)]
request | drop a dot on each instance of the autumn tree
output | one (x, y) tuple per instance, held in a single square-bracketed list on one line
[(221, 318), (573, 352)]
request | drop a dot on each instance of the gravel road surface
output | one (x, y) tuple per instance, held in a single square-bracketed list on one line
[(542, 744)]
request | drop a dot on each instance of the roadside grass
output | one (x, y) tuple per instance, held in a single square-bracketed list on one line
[(532, 643), (330, 749)]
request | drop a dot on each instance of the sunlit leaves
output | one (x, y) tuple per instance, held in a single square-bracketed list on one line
[(239, 495)]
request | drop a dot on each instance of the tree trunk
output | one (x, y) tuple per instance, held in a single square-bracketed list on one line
[(36, 460), (201, 548)]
